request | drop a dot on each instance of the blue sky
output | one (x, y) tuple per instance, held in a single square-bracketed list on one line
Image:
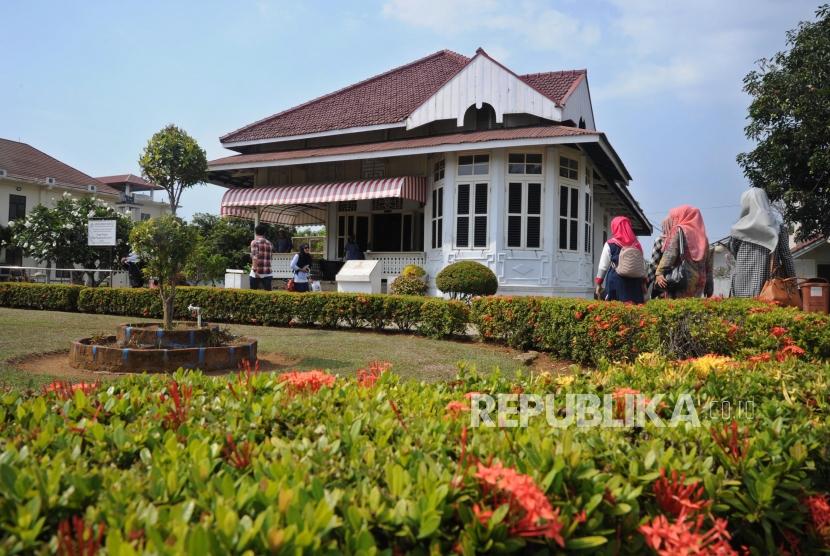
[(89, 82)]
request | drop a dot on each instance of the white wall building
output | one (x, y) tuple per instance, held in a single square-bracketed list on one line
[(447, 158)]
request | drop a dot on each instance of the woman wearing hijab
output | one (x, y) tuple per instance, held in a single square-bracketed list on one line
[(654, 262), (685, 224), (620, 288), (758, 234), (301, 265)]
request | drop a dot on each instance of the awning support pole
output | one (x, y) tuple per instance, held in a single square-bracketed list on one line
[(257, 215)]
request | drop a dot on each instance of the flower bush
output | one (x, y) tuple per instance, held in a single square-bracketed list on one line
[(464, 279), (408, 285), (310, 463)]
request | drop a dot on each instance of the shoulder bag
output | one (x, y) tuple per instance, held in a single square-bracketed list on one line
[(678, 279), (782, 291)]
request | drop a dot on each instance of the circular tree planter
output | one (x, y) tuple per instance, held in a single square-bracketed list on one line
[(105, 355), (152, 335)]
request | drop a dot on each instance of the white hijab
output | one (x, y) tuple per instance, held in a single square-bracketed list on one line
[(758, 223)]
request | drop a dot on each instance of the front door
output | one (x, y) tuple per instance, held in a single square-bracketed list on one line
[(386, 232), (352, 225)]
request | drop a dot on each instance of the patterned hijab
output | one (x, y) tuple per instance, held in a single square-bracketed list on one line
[(689, 219), (758, 223), (622, 233)]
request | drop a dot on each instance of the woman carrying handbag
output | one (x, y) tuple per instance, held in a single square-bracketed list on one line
[(685, 269)]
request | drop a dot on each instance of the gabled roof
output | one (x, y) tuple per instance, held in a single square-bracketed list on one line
[(24, 162), (137, 183), (386, 99), (806, 246)]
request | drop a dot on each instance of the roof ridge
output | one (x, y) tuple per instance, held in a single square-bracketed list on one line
[(444, 51), (582, 70), (95, 180)]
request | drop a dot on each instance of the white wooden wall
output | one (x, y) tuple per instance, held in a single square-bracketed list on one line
[(578, 105), (483, 81)]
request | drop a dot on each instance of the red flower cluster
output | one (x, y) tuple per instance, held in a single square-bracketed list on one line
[(455, 408), (530, 514), (619, 396), (244, 378), (66, 390), (819, 509), (732, 440), (308, 381), (674, 497), (76, 539), (789, 350), (178, 411), (778, 331), (366, 378), (238, 456), (686, 536)]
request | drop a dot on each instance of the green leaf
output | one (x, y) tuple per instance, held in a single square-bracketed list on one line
[(584, 543)]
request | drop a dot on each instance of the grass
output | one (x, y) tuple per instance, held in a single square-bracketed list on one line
[(25, 333)]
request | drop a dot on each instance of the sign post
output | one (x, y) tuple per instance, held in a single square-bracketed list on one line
[(101, 233)]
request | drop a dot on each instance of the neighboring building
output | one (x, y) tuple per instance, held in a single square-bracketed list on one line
[(29, 177), (136, 196), (812, 258), (723, 264), (447, 158)]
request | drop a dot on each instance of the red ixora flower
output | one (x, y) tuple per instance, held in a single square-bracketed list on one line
[(819, 510), (778, 331), (674, 496), (761, 357), (790, 350), (66, 390), (307, 381), (530, 514), (75, 538), (686, 535), (366, 378), (455, 408)]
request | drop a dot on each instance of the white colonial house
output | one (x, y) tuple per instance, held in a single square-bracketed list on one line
[(444, 159)]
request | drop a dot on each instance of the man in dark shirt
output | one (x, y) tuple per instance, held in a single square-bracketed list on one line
[(283, 243), (261, 276)]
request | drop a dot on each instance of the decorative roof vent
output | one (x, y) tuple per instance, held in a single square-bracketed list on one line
[(92, 188), (51, 181), (3, 173)]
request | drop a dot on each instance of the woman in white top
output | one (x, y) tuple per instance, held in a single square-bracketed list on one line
[(620, 288), (301, 266)]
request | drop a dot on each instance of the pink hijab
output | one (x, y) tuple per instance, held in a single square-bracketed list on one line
[(622, 233), (689, 219)]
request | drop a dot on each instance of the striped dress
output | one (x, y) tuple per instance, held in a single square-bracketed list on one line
[(752, 264)]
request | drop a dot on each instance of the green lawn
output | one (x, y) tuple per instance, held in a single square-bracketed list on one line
[(24, 333)]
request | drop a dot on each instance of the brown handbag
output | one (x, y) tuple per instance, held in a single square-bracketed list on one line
[(782, 291)]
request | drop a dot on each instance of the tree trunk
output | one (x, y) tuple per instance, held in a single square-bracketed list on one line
[(167, 308)]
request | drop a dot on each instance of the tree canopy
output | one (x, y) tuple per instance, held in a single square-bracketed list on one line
[(175, 161), (789, 118)]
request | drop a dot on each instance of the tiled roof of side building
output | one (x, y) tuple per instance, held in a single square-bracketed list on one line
[(136, 181), (25, 162), (387, 98)]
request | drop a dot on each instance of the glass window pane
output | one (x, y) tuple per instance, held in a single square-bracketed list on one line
[(463, 198), (534, 158), (516, 158), (462, 231), (563, 201), (341, 226), (514, 198), (533, 169), (434, 234), (574, 203), (515, 168), (434, 203), (466, 170), (465, 160), (534, 236), (440, 241), (480, 233), (574, 237), (514, 231), (587, 207), (563, 233), (479, 158), (441, 201), (481, 198), (406, 240), (481, 169), (534, 198)]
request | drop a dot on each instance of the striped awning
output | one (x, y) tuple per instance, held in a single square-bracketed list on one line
[(305, 204)]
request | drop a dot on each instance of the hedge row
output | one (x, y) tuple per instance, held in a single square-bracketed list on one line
[(431, 317), (589, 332)]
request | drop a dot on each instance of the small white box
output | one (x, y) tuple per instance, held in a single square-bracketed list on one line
[(359, 277), (237, 279)]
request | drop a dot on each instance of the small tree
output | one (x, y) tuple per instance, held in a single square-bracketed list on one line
[(165, 244), (175, 161), (204, 264), (60, 234)]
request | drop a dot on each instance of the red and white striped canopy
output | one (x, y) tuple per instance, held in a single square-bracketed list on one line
[(305, 204)]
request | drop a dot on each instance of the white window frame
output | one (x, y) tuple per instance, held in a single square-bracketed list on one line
[(571, 174), (568, 216), (524, 215), (472, 215), (436, 221), (474, 176), (588, 212), (525, 163)]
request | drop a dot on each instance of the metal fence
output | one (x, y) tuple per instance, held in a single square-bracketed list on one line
[(82, 276)]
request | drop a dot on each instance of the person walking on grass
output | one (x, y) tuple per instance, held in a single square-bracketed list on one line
[(301, 266), (686, 248), (758, 235), (261, 249), (621, 264)]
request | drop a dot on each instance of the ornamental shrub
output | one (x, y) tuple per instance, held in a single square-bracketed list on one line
[(407, 284), (413, 270), (465, 279), (309, 462), (50, 297)]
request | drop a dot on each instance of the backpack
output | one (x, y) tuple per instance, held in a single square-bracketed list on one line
[(630, 263)]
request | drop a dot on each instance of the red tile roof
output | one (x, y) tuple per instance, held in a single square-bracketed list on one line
[(432, 141), (387, 98), (27, 163), (805, 244), (137, 183)]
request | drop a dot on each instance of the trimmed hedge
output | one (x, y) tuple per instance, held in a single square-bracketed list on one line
[(466, 278), (590, 331), (50, 297)]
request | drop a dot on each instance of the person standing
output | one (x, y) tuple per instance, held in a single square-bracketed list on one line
[(684, 225), (353, 252), (301, 266), (283, 243), (621, 264), (133, 264), (758, 235), (261, 275)]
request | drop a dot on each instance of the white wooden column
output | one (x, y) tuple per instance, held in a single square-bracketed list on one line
[(497, 201), (331, 231), (551, 207), (450, 170)]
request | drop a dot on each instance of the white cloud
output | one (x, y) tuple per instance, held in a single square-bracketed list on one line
[(534, 23)]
